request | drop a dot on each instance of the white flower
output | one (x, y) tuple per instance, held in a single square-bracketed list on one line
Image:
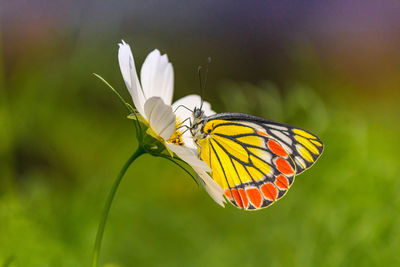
[(152, 97)]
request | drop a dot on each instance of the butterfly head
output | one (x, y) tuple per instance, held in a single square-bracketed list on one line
[(197, 125), (198, 114)]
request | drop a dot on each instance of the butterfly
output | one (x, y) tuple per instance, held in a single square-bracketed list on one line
[(254, 160)]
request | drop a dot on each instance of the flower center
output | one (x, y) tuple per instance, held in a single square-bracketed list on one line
[(176, 137)]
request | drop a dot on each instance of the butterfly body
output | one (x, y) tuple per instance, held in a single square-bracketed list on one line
[(253, 159)]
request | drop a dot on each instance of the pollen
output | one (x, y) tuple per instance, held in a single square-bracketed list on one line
[(176, 137)]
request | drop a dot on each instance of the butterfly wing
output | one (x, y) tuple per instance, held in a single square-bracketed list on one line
[(252, 161), (301, 145)]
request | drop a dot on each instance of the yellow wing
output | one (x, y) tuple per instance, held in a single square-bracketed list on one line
[(252, 163)]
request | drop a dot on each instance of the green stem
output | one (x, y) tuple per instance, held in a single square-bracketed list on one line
[(107, 206)]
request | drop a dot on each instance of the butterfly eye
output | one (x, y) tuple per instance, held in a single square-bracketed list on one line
[(209, 130)]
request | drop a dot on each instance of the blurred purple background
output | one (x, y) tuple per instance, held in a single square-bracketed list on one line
[(356, 41)]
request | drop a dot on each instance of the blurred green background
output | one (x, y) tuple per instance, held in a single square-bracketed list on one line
[(332, 68)]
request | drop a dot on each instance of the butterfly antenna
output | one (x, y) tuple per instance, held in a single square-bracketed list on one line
[(201, 86)]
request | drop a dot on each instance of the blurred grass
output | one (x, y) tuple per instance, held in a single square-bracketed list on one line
[(64, 137)]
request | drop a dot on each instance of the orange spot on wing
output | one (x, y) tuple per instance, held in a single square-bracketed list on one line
[(284, 166), (269, 191), (228, 194), (282, 182), (237, 198), (243, 195), (276, 148), (262, 133), (254, 196)]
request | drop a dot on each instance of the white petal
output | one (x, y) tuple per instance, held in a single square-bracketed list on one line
[(188, 140), (201, 168), (190, 156), (212, 188), (190, 102), (183, 109), (157, 77), (160, 117), (128, 70)]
